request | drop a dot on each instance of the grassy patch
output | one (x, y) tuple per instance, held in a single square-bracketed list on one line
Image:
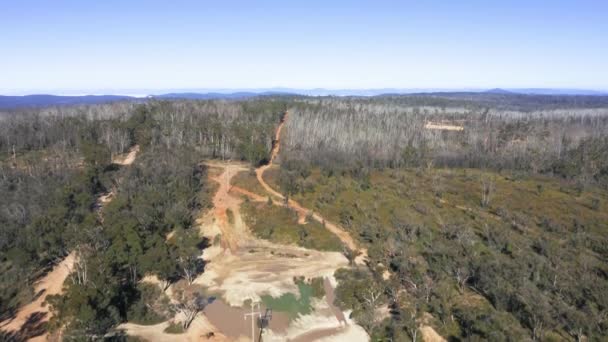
[(248, 181), (291, 304), (280, 224)]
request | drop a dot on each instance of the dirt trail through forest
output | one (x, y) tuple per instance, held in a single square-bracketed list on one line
[(242, 266), (31, 318), (343, 235)]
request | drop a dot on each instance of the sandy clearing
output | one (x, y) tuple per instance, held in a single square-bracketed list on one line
[(235, 322), (244, 267), (320, 326), (257, 270)]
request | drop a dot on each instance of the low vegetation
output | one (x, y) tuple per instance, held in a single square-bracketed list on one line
[(248, 181), (280, 225), (531, 258)]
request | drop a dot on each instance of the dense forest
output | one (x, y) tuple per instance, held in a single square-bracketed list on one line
[(484, 216), (56, 163)]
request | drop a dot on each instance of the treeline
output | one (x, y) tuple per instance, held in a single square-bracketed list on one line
[(345, 134)]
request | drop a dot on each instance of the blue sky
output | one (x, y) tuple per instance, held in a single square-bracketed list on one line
[(108, 46)]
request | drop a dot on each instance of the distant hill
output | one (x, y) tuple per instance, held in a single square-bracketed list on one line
[(12, 102), (210, 96), (7, 102), (498, 91), (557, 91)]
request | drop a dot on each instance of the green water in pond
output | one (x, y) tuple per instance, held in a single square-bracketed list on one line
[(291, 304)]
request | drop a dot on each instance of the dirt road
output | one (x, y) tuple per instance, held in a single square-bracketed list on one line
[(343, 235), (241, 258)]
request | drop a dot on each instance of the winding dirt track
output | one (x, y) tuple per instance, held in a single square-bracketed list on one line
[(243, 266), (343, 235)]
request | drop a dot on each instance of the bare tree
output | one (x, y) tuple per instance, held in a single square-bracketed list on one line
[(190, 301), (488, 186)]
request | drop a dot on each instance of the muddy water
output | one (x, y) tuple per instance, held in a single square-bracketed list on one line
[(232, 322)]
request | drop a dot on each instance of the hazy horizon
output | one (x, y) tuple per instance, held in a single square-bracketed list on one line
[(300, 91)]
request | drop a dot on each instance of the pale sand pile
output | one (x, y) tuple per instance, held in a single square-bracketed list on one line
[(443, 126)]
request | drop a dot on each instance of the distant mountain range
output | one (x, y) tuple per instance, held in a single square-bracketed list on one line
[(11, 102), (54, 100)]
